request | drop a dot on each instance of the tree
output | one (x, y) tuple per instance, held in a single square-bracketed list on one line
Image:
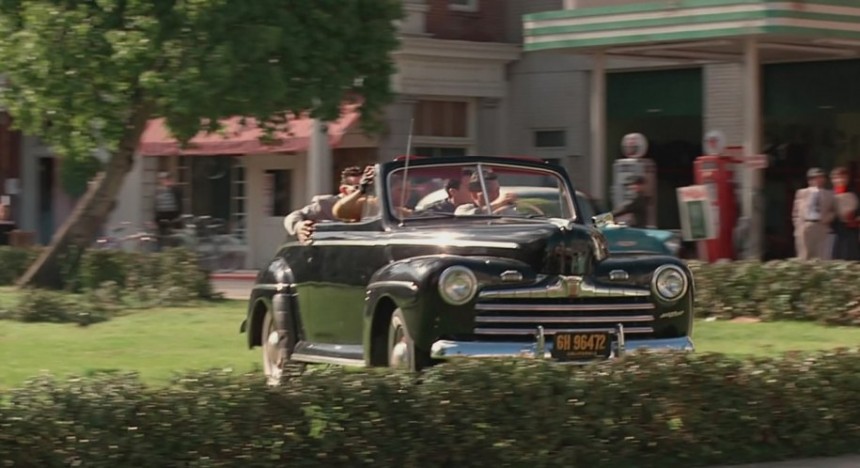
[(84, 74)]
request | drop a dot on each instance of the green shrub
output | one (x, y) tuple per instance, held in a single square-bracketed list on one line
[(643, 410), (824, 292), (171, 277), (14, 262), (37, 305)]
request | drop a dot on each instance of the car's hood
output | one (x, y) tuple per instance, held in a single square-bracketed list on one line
[(548, 246)]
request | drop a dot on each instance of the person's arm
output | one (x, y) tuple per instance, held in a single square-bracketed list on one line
[(350, 207), (795, 210), (626, 208), (306, 213), (828, 214)]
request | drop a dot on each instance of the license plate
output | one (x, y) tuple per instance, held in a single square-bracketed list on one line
[(581, 346)]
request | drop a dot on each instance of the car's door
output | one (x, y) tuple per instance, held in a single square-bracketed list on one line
[(347, 260)]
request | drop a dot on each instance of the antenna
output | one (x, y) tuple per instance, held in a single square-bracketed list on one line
[(406, 167)]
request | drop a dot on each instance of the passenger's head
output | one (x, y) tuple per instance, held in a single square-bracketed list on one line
[(350, 178), (839, 177), (815, 177), (491, 181), (457, 188)]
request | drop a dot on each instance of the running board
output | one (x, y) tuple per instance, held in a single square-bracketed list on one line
[(323, 353)]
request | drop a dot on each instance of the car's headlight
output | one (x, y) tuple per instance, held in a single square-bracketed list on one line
[(457, 285), (669, 283)]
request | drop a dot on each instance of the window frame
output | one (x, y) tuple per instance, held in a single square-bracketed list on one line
[(470, 6)]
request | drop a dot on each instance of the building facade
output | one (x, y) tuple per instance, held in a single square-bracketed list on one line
[(777, 78), (563, 80), (451, 86)]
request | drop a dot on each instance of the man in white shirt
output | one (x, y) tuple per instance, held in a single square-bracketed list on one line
[(812, 213), (499, 205)]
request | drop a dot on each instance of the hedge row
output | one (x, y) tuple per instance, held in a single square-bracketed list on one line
[(821, 291), (642, 410), (824, 292), (107, 281)]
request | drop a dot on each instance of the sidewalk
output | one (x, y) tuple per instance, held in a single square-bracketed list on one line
[(235, 284), (848, 461)]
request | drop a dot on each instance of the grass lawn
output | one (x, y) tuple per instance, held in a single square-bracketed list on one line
[(159, 343)]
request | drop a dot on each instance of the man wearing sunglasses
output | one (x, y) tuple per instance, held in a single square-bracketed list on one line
[(300, 223)]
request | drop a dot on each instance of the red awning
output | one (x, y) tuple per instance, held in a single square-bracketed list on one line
[(238, 139)]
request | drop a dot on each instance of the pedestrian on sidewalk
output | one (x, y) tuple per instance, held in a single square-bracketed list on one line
[(846, 223)]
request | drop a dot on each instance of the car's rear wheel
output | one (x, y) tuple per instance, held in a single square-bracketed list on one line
[(275, 362), (402, 352)]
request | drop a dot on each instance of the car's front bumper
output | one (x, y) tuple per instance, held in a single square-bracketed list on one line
[(541, 347)]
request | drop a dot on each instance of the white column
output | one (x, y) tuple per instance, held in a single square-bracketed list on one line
[(598, 127), (752, 180), (319, 161)]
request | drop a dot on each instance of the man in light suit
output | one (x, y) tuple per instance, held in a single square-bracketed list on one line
[(812, 213), (300, 223)]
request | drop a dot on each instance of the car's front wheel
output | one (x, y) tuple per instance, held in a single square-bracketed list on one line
[(275, 357), (402, 352)]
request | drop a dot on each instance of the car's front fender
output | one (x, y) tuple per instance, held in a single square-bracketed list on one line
[(412, 286)]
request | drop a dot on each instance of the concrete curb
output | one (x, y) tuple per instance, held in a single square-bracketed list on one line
[(847, 461), (239, 275)]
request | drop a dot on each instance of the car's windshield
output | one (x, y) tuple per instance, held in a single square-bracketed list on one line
[(449, 190)]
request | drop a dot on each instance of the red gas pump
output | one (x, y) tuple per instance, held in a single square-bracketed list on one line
[(716, 172)]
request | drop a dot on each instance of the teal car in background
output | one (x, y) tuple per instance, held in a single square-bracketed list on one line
[(623, 240), (628, 240)]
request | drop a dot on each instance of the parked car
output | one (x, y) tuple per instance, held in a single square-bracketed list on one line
[(621, 239), (533, 280)]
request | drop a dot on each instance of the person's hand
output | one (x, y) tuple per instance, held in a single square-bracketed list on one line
[(366, 179), (509, 198), (305, 231)]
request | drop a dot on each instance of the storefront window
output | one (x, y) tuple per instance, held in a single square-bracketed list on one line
[(276, 192)]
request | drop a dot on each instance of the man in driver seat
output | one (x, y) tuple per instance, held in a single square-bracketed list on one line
[(499, 205)]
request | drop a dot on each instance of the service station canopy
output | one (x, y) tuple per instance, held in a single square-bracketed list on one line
[(701, 31)]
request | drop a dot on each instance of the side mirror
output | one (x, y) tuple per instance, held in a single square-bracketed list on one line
[(603, 220)]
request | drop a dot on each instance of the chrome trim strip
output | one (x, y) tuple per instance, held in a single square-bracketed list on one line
[(540, 350), (537, 319), (444, 349), (553, 331), (564, 286), (439, 242), (312, 358), (325, 353), (278, 287), (511, 275), (392, 283), (563, 307), (618, 275)]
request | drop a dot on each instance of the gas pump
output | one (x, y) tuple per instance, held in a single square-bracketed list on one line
[(634, 146), (716, 171)]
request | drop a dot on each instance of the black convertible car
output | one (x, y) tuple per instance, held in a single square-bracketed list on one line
[(479, 275)]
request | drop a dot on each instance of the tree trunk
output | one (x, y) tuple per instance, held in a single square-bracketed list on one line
[(90, 213)]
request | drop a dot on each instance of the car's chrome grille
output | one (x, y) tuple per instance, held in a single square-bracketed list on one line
[(522, 317)]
